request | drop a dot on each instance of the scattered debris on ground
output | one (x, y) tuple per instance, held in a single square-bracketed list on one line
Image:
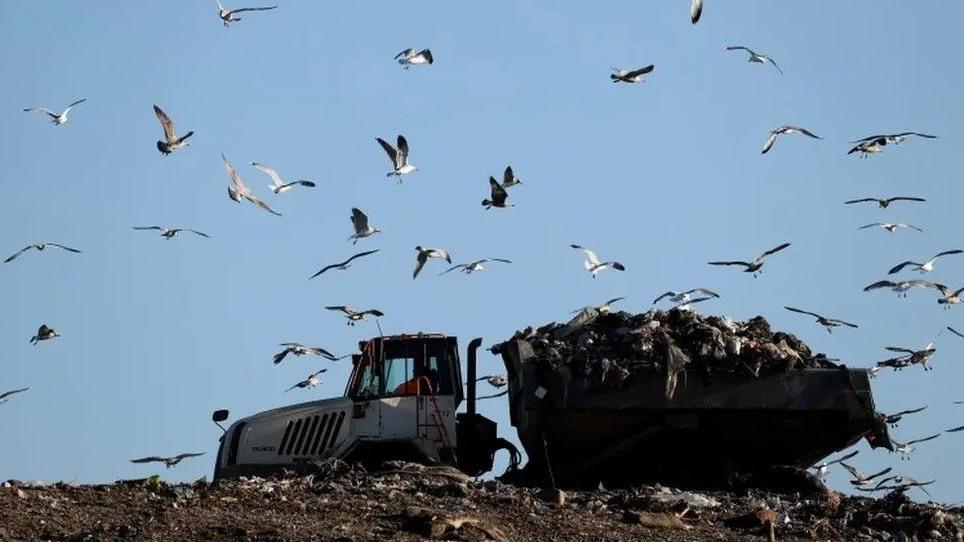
[(403, 501)]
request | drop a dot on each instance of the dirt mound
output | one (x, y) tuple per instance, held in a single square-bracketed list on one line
[(403, 501)]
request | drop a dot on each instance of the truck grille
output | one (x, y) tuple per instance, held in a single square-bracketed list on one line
[(311, 435)]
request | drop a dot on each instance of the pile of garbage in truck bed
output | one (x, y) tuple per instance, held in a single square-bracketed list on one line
[(403, 501), (611, 346)]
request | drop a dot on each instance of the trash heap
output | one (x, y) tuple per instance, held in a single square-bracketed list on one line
[(611, 347)]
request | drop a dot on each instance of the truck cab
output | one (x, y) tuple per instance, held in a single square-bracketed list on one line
[(400, 402)]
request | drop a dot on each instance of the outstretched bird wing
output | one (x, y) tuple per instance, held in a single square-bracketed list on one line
[(744, 264), (392, 153), (252, 9), (149, 459), (359, 220), (774, 250), (166, 123), (696, 9), (861, 200), (6, 394), (590, 255), (13, 256), (815, 315)]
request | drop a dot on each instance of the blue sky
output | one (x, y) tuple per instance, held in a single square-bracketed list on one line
[(662, 176)]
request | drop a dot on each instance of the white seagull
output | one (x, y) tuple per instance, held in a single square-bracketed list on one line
[(696, 9), (603, 308), (822, 468), (754, 56), (683, 297), (630, 76), (786, 130), (894, 419), (901, 287), (883, 203), (594, 265), (360, 222), (169, 233), (168, 461), (227, 16), (398, 156), (890, 227), (45, 333), (472, 267), (38, 247), (238, 190), (754, 265), (500, 198), (925, 267), (496, 381), (949, 297), (894, 139), (309, 382), (58, 118), (409, 57), (343, 266), (909, 357), (509, 178), (353, 315), (171, 140), (4, 396), (298, 349), (828, 323), (425, 253), (278, 185), (687, 305), (861, 479), (905, 448)]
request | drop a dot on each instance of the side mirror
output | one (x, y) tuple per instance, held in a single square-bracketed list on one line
[(219, 416)]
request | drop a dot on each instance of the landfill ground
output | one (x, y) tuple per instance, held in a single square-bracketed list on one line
[(403, 501)]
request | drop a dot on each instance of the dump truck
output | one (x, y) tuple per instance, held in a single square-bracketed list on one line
[(404, 395)]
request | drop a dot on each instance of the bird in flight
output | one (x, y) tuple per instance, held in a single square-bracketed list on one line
[(353, 315), (409, 57), (496, 381), (171, 141), (38, 247), (228, 16), (309, 382), (949, 297), (688, 304), (955, 332), (168, 461), (866, 148), (44, 334), (398, 156), (298, 349), (472, 267), (754, 56), (925, 267), (509, 178), (883, 203), (500, 198), (169, 233), (359, 221), (278, 185), (238, 190), (594, 265), (905, 448), (894, 139), (786, 130), (828, 323), (58, 118), (425, 253), (683, 297), (859, 478), (822, 468), (620, 75), (603, 308), (900, 485), (893, 419), (5, 395), (754, 265), (890, 227), (909, 357), (901, 287), (696, 9), (343, 266)]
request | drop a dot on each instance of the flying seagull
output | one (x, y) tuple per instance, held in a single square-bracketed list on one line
[(955, 332), (883, 203), (949, 297), (500, 198), (754, 265), (238, 190), (754, 56), (496, 381), (822, 468), (39, 247), (890, 227), (299, 349), (620, 75), (696, 9), (901, 484), (509, 178), (44, 334), (169, 233), (894, 139), (425, 253), (58, 118), (171, 141), (861, 479), (603, 308), (472, 267), (910, 357), (894, 419), (786, 130), (905, 448), (343, 266), (227, 16), (683, 297), (866, 148), (398, 157), (410, 57), (309, 382), (592, 263), (688, 304), (828, 323), (278, 185), (360, 221), (168, 461), (6, 394), (353, 315), (901, 287), (925, 267)]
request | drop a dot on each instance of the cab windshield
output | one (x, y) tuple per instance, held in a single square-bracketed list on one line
[(406, 367)]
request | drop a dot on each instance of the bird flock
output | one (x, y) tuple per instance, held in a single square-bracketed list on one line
[(498, 198)]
